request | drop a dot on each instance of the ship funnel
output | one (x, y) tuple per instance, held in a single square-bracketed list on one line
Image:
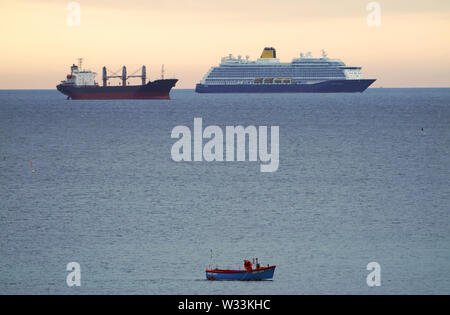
[(269, 52)]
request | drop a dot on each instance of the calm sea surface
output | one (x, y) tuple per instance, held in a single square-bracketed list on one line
[(358, 182)]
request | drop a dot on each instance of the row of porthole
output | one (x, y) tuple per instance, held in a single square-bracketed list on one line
[(272, 80)]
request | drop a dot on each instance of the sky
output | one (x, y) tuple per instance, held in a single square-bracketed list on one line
[(409, 48)]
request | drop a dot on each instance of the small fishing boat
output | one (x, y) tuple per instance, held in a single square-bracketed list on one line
[(247, 274)]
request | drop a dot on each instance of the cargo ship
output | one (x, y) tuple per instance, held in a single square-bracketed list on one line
[(268, 75), (81, 85)]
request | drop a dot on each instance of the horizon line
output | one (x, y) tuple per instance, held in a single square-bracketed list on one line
[(175, 88)]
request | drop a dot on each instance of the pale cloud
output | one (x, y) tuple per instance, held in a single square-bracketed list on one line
[(276, 9)]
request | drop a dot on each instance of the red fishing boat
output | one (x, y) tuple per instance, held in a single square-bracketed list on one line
[(247, 274)]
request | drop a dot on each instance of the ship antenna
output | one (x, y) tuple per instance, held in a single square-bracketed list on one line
[(80, 63), (162, 72), (211, 259)]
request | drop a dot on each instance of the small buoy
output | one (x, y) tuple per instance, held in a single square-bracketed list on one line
[(31, 164)]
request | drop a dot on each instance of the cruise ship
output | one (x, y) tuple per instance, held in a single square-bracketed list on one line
[(268, 75)]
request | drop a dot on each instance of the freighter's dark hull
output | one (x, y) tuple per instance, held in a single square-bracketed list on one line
[(159, 89), (331, 86)]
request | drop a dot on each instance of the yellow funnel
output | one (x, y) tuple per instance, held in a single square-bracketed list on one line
[(269, 52)]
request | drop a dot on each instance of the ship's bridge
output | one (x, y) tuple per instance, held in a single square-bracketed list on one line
[(80, 77)]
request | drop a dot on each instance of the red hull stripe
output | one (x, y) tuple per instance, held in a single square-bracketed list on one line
[(121, 96)]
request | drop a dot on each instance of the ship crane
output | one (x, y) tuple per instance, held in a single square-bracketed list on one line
[(124, 77)]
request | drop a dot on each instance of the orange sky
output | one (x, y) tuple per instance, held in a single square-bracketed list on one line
[(411, 48)]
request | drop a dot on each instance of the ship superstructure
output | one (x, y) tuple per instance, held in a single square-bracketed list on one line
[(78, 77), (268, 75)]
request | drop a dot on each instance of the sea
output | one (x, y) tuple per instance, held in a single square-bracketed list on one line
[(362, 178)]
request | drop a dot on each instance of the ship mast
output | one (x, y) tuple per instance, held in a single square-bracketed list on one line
[(80, 63), (162, 72)]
